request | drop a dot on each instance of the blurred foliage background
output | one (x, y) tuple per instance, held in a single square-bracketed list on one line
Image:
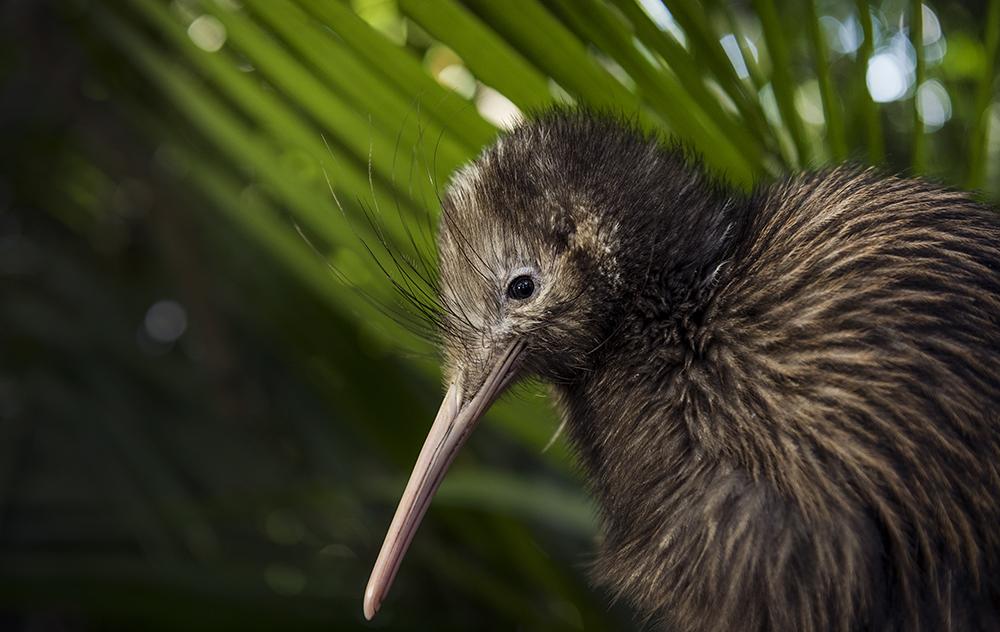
[(206, 412)]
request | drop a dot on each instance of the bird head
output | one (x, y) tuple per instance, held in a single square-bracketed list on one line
[(531, 276), (526, 264)]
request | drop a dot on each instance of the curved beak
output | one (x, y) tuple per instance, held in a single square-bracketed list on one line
[(454, 422)]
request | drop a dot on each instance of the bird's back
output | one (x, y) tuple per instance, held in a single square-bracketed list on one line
[(869, 312)]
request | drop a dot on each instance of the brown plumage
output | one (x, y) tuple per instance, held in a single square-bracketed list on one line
[(786, 403)]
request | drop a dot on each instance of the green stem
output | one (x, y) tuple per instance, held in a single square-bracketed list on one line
[(984, 94), (873, 122), (917, 39), (689, 77), (758, 80), (757, 77), (831, 110), (781, 79), (704, 44)]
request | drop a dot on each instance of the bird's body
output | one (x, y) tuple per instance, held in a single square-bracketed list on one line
[(807, 438), (786, 403)]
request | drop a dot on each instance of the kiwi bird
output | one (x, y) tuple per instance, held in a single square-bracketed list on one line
[(785, 402)]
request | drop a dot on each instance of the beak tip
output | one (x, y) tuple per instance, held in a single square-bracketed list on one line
[(371, 603)]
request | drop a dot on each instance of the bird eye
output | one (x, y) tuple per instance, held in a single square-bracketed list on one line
[(521, 288)]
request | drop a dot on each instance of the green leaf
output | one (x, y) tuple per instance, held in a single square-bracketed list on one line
[(489, 58)]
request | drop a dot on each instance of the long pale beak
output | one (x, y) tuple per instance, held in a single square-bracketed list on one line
[(452, 426)]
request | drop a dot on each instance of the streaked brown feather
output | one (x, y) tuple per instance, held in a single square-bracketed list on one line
[(786, 403)]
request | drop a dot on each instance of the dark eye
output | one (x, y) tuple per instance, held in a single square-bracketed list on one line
[(521, 288)]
